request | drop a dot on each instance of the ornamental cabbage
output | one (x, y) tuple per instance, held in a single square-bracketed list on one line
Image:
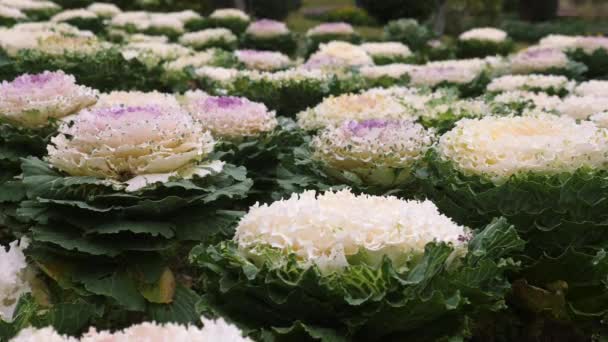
[(124, 142), (356, 267), (379, 152), (368, 105), (212, 330), (33, 100), (499, 147), (230, 117)]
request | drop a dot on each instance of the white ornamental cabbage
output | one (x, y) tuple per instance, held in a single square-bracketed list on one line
[(136, 145), (31, 5), (229, 13), (207, 37), (369, 105), (217, 74), (58, 45), (289, 75), (387, 49), (394, 71), (371, 144), (196, 60), (540, 101), (32, 100), (28, 35), (212, 330), (13, 277), (151, 52), (263, 60), (339, 54), (136, 98), (11, 13), (600, 119), (136, 19), (266, 28), (230, 117), (184, 16), (524, 82), (499, 147), (581, 107), (73, 14), (538, 59), (146, 38), (338, 28), (458, 108), (163, 21), (328, 228), (453, 71), (47, 334), (104, 9), (558, 41), (414, 99), (592, 88), (489, 34)]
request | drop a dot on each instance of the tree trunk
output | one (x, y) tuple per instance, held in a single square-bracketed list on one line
[(439, 22)]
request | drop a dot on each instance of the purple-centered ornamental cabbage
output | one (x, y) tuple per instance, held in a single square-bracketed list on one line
[(31, 100)]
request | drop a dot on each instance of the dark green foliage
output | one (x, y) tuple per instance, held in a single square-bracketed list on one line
[(260, 155), (596, 62), (538, 10), (348, 14), (94, 25), (112, 71), (563, 217), (41, 15), (73, 3), (384, 60), (17, 143), (409, 32), (362, 301), (67, 317), (480, 49), (393, 9), (273, 9), (91, 236), (287, 97), (286, 44), (532, 32), (236, 25)]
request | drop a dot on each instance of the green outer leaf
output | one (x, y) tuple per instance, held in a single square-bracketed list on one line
[(117, 285), (368, 301), (153, 228), (72, 241), (181, 310), (564, 219)]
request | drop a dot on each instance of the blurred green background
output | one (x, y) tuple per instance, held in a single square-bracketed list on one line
[(525, 20)]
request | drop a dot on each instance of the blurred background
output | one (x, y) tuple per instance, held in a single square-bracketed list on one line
[(524, 20)]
